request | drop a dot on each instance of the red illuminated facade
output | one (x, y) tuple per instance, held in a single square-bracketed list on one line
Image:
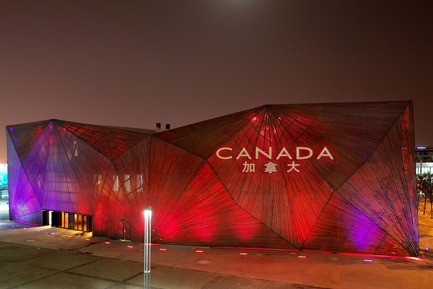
[(326, 177)]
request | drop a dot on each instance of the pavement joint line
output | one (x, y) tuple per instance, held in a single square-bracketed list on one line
[(133, 276), (33, 257), (94, 277), (3, 260), (37, 279), (66, 270), (129, 284), (212, 282), (222, 275), (57, 271)]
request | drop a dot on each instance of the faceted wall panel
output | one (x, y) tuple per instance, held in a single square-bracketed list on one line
[(331, 177), (205, 213), (35, 163), (24, 205), (24, 136), (343, 228), (170, 173), (132, 167), (86, 166)]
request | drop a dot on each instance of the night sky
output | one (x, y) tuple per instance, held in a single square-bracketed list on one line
[(135, 63)]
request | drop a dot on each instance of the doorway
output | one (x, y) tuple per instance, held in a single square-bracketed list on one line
[(72, 221)]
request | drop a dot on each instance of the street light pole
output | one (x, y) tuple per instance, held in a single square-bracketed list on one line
[(147, 244), (123, 229)]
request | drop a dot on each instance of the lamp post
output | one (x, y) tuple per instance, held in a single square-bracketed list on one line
[(123, 229), (147, 245)]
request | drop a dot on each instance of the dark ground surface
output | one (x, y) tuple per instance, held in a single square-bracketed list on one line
[(24, 266), (32, 266), (45, 257)]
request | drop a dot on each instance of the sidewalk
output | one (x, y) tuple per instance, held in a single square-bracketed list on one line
[(45, 257), (57, 258)]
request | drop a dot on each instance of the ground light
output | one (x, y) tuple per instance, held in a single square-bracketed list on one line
[(147, 245), (323, 252)]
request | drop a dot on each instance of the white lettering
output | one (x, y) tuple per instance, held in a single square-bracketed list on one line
[(293, 166), (271, 168), (249, 168), (243, 153), (325, 153), (302, 153), (268, 155), (223, 149), (284, 153), (298, 153)]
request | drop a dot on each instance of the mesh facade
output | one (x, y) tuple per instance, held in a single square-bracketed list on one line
[(328, 177)]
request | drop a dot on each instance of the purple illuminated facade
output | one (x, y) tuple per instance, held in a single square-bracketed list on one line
[(325, 177)]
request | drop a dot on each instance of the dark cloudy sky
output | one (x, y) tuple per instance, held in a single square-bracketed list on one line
[(135, 63)]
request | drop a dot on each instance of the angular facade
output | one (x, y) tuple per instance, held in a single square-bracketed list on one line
[(326, 177)]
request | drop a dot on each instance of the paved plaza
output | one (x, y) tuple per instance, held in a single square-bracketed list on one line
[(45, 257)]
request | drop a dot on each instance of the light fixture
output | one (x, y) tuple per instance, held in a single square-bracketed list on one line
[(147, 244)]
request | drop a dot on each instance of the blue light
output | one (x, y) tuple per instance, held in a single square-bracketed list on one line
[(3, 174)]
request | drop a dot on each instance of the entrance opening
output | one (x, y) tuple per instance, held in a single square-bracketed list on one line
[(46, 218), (68, 220), (124, 230)]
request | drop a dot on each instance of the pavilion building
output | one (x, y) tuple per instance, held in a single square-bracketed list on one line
[(337, 177)]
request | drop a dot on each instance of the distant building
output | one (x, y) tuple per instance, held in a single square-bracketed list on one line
[(424, 160), (327, 177), (3, 181)]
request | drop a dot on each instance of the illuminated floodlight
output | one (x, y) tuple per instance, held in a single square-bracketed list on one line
[(147, 245), (148, 212), (414, 258)]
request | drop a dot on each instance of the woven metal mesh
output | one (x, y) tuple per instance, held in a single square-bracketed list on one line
[(344, 180)]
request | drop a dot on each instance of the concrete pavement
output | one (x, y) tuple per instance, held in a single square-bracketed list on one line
[(24, 266), (45, 257)]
